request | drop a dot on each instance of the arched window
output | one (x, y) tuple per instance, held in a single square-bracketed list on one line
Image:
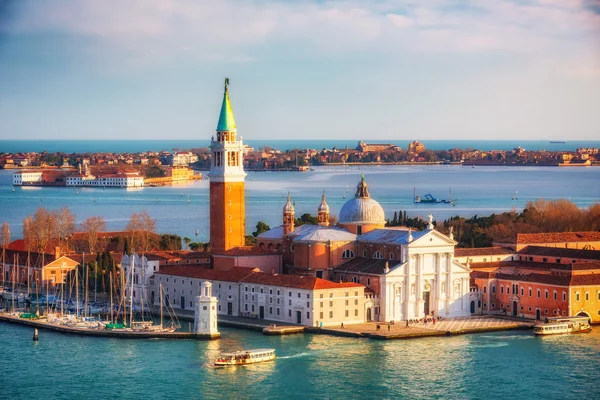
[(493, 289), (365, 253), (391, 256), (377, 255), (564, 296), (539, 293), (555, 295), (348, 254), (485, 289), (577, 296), (587, 296), (546, 293)]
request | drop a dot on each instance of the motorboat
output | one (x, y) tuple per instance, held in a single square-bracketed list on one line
[(563, 325), (245, 357)]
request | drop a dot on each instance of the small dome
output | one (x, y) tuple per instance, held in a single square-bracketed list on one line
[(288, 207), (362, 210), (323, 207)]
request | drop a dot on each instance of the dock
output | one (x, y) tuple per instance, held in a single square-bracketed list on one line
[(42, 324)]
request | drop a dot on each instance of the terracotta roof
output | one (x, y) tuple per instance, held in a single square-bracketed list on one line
[(32, 259), (588, 279), (519, 264), (480, 274), (247, 275), (560, 252), (550, 279), (558, 237), (482, 251)]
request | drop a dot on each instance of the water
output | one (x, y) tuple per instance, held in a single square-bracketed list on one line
[(136, 146), (183, 209), (485, 366)]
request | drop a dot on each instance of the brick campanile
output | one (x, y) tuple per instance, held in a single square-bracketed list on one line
[(227, 199)]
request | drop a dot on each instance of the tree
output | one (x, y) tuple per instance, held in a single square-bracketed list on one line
[(43, 228), (5, 235), (148, 231), (187, 241), (65, 226), (92, 227), (260, 228), (133, 228)]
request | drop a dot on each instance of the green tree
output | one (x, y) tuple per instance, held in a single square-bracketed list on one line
[(260, 228)]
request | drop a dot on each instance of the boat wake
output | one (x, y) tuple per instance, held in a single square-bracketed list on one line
[(510, 337), (294, 356), (490, 345)]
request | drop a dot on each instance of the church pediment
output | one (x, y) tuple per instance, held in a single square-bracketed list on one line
[(64, 262), (430, 238)]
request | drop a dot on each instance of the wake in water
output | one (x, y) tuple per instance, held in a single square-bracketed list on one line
[(294, 356), (511, 337)]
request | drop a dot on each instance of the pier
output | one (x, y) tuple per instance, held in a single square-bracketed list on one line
[(42, 324)]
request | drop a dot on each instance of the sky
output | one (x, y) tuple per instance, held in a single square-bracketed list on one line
[(306, 69)]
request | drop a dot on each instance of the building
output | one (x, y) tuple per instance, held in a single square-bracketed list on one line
[(484, 254), (227, 198), (573, 240), (416, 147), (120, 179), (251, 293), (376, 147), (407, 274), (23, 178)]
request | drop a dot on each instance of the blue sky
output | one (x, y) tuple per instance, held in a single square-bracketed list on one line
[(355, 69)]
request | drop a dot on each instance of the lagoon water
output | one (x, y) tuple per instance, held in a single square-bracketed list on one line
[(183, 209), (500, 365)]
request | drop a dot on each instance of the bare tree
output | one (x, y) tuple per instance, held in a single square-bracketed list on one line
[(43, 228), (92, 227), (134, 228), (148, 231), (65, 226), (28, 234)]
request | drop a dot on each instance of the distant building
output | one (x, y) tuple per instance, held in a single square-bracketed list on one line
[(416, 147), (121, 179), (23, 178), (376, 147)]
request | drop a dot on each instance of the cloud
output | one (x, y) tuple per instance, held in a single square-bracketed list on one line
[(231, 30)]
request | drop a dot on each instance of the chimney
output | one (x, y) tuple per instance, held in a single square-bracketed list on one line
[(57, 251)]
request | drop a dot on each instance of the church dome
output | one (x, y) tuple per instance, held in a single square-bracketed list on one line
[(362, 209)]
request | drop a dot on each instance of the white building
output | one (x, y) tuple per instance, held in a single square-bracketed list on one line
[(125, 179), (420, 278), (27, 177), (143, 269), (251, 293)]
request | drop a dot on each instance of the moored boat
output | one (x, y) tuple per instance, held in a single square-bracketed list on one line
[(563, 325), (245, 357)]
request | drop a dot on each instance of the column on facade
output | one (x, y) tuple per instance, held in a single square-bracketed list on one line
[(419, 286), (438, 282), (408, 291), (449, 286)]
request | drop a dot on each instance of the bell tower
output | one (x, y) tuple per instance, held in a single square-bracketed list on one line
[(227, 199), (288, 216), (323, 212)]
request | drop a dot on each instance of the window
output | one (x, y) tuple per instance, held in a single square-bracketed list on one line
[(493, 289), (290, 294), (546, 293), (321, 296), (321, 304), (368, 281), (545, 259), (356, 312), (555, 295), (321, 315), (346, 302), (245, 307), (330, 314), (355, 302), (502, 289), (347, 313), (539, 293), (558, 260), (298, 295), (270, 291), (577, 296), (307, 296), (307, 315), (270, 310), (290, 303), (365, 253), (278, 293), (391, 256), (587, 296), (564, 296), (278, 311), (485, 289), (377, 255), (529, 292), (331, 304), (289, 313), (522, 292), (308, 304), (348, 254)]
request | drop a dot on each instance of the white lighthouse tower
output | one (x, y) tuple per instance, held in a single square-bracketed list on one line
[(205, 316)]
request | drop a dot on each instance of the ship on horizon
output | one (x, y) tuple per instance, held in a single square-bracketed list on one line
[(558, 141)]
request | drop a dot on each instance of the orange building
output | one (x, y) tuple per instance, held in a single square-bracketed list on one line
[(538, 290), (227, 199), (565, 240)]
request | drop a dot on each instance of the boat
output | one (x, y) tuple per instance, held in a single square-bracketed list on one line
[(245, 357), (563, 325), (558, 141)]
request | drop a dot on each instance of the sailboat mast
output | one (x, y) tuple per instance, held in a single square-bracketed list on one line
[(85, 313), (76, 293), (161, 304), (131, 293), (13, 282), (111, 296)]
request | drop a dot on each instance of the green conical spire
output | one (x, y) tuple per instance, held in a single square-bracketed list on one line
[(226, 120)]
